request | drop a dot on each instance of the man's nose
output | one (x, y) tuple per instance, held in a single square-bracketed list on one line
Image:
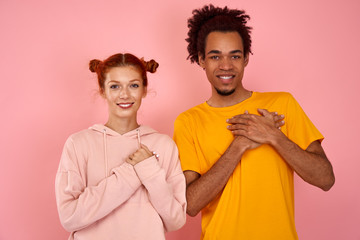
[(225, 63)]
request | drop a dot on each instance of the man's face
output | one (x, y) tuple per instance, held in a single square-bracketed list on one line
[(224, 62)]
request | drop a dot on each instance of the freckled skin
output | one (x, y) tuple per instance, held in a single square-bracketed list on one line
[(123, 85)]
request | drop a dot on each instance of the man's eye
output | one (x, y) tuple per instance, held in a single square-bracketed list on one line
[(214, 57), (236, 57)]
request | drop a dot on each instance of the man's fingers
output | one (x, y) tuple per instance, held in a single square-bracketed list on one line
[(279, 117), (238, 132), (279, 124), (263, 112), (236, 127), (242, 119)]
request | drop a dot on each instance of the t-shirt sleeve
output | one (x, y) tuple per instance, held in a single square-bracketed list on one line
[(184, 139), (299, 127)]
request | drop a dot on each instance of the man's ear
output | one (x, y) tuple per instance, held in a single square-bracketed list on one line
[(201, 60), (247, 59)]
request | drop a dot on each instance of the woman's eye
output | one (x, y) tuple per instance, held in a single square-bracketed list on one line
[(114, 86), (135, 85)]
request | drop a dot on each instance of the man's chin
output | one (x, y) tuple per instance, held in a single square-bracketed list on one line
[(225, 92)]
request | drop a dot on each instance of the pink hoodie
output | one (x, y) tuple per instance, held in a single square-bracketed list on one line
[(100, 196)]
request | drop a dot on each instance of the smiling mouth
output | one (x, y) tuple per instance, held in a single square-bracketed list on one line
[(125, 105), (226, 78)]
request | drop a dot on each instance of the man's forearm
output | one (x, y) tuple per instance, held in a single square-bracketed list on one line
[(311, 164), (204, 189)]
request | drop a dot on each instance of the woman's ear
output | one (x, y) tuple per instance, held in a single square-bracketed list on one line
[(102, 93), (145, 92)]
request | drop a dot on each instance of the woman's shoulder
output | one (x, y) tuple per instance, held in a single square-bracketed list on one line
[(85, 134), (154, 135)]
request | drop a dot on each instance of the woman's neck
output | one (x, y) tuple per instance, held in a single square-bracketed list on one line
[(122, 125)]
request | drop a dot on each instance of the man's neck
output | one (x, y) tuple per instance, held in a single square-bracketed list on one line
[(217, 100)]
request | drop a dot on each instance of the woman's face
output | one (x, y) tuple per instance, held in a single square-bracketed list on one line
[(123, 90)]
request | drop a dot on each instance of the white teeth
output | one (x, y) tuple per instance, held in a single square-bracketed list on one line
[(226, 77), (124, 105)]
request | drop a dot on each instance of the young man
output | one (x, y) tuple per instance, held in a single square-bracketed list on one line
[(238, 164)]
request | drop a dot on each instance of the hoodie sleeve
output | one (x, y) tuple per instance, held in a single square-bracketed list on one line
[(166, 187), (80, 205)]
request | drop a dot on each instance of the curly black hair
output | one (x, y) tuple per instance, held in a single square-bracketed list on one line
[(209, 19)]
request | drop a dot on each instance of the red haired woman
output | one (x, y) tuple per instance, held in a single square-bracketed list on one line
[(120, 180)]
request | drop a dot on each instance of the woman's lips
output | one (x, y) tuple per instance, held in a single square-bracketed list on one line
[(125, 105)]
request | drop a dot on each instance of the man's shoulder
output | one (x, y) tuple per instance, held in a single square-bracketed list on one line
[(192, 112), (274, 95)]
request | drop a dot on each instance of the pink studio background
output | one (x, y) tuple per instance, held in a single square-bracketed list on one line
[(309, 48)]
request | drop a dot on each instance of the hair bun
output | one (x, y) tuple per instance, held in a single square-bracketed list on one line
[(151, 65), (94, 65)]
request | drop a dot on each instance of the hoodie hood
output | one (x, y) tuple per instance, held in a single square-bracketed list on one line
[(108, 132), (140, 131)]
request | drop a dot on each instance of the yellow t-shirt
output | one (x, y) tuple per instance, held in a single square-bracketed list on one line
[(257, 202)]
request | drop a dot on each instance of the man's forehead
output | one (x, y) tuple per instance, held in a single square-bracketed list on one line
[(224, 42)]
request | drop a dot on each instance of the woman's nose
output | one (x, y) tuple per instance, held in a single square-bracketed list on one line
[(124, 93)]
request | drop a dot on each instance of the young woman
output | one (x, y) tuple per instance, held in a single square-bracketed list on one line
[(120, 180)]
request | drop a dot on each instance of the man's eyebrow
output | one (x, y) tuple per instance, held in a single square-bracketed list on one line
[(236, 51), (218, 52), (214, 52)]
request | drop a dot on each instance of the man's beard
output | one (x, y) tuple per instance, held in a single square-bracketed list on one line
[(225, 92)]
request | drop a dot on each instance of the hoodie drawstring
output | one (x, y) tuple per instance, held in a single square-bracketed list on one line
[(138, 137), (105, 153)]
